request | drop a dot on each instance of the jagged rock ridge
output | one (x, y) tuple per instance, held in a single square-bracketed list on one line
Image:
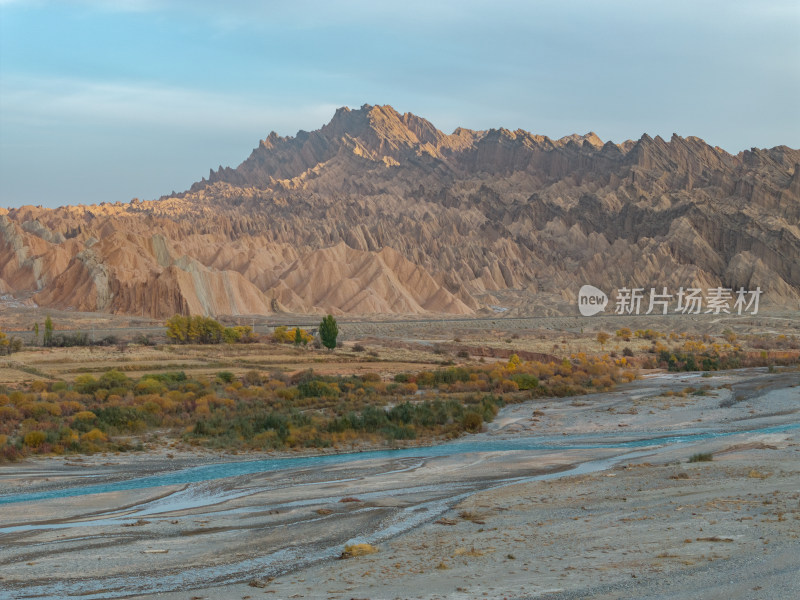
[(380, 212)]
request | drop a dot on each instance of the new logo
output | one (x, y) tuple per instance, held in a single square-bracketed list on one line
[(591, 300)]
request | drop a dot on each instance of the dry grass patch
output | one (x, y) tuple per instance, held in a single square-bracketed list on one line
[(355, 550), (756, 474), (477, 518), (471, 551)]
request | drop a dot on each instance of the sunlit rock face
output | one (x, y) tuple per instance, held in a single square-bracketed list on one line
[(380, 212)]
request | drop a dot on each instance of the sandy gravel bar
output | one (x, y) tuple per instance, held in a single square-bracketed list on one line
[(615, 511)]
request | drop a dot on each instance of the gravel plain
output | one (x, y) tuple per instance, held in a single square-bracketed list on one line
[(607, 506)]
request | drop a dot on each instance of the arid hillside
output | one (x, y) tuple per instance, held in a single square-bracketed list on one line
[(379, 212)]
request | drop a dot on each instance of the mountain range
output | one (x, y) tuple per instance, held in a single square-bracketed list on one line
[(379, 212)]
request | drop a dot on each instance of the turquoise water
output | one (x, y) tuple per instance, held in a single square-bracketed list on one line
[(532, 443)]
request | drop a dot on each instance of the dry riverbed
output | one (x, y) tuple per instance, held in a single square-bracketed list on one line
[(588, 511)]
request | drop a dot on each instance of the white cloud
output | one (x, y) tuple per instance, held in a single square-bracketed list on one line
[(56, 99)]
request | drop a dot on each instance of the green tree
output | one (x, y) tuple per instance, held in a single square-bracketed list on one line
[(48, 332), (35, 333), (298, 337), (328, 331), (231, 335)]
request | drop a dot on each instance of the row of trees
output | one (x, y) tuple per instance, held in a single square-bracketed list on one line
[(205, 330), (47, 339), (183, 330), (66, 340), (328, 332), (9, 344)]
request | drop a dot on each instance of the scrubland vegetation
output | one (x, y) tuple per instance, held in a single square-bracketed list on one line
[(686, 352), (259, 411), (283, 407)]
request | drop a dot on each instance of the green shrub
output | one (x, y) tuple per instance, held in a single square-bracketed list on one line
[(114, 379), (472, 421), (34, 439), (225, 376), (701, 457), (525, 381), (86, 384), (318, 389)]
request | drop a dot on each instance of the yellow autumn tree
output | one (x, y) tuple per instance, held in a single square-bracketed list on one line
[(196, 330), (284, 335), (514, 363), (602, 338), (178, 329)]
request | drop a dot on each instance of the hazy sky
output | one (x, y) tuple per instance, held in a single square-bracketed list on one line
[(106, 100)]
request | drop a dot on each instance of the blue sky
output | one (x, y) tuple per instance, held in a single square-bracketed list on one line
[(105, 100)]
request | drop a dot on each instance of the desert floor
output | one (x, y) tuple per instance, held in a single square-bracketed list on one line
[(572, 498)]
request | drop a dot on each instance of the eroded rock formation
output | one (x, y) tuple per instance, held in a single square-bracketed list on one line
[(380, 212)]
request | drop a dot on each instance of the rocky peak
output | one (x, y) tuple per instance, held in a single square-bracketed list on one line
[(273, 139), (475, 215), (381, 130)]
